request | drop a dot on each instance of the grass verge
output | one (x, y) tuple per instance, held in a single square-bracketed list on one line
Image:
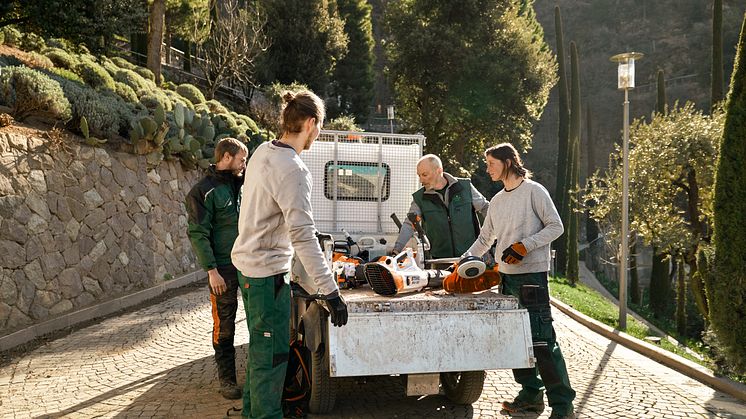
[(589, 302)]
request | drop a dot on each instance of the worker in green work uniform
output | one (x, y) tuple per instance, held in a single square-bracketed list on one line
[(275, 221), (448, 207), (212, 208), (523, 222)]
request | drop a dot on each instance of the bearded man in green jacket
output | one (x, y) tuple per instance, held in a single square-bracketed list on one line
[(212, 206)]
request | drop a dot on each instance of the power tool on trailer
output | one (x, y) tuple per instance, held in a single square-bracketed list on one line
[(392, 275)]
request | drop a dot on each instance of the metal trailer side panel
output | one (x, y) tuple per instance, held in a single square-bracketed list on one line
[(429, 342)]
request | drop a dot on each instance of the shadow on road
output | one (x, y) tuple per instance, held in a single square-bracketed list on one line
[(190, 391)]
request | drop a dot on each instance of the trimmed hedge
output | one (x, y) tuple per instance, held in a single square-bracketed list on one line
[(135, 81), (191, 92), (145, 73), (61, 58), (32, 42), (94, 75), (67, 74), (11, 36), (125, 92), (122, 63), (156, 97), (30, 92)]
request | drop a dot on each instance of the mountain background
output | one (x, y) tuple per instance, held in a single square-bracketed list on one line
[(674, 35)]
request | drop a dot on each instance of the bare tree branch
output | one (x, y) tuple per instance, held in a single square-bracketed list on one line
[(236, 38)]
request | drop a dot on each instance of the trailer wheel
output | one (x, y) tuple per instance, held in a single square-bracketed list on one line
[(463, 387), (323, 391)]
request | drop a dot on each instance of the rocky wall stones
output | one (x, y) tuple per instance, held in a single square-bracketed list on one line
[(83, 228)]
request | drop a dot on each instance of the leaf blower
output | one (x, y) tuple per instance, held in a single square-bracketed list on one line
[(392, 275)]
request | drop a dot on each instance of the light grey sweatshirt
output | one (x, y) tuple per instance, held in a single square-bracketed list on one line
[(526, 214), (275, 219)]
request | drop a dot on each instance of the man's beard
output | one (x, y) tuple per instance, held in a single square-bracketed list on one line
[(308, 142)]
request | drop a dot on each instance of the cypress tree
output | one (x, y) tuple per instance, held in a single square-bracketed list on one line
[(717, 53), (353, 74), (727, 290), (680, 299), (660, 285), (573, 164), (660, 103), (561, 193), (591, 229)]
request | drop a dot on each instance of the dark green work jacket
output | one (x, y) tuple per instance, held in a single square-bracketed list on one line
[(212, 208), (452, 227)]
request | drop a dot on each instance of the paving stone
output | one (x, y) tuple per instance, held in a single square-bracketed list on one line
[(158, 362)]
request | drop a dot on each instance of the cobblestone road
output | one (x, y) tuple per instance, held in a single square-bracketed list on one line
[(157, 362)]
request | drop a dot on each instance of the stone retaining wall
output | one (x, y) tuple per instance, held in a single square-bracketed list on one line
[(82, 227)]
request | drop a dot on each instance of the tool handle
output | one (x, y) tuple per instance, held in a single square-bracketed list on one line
[(396, 220)]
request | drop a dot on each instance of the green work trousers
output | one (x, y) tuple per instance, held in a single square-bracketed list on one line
[(267, 304), (550, 365)]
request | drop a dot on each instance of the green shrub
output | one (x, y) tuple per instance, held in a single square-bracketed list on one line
[(32, 42), (134, 80), (216, 107), (2, 37), (168, 85), (152, 99), (122, 63), (61, 58), (109, 66), (727, 287), (65, 73), (107, 114), (94, 75), (191, 92), (342, 123), (125, 92), (62, 44), (11, 36), (30, 92), (145, 73), (246, 120), (177, 98)]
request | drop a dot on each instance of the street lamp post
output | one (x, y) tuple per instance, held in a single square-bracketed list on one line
[(626, 81)]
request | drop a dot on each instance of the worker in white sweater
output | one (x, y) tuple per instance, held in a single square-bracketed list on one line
[(274, 222), (524, 222)]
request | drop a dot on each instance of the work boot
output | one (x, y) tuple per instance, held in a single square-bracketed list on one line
[(230, 390), (557, 415), (521, 406)]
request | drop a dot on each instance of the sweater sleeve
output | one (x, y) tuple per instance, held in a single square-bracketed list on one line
[(479, 202), (294, 199), (486, 236), (547, 213), (407, 228), (199, 227)]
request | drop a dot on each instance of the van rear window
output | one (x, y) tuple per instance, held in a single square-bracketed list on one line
[(357, 181)]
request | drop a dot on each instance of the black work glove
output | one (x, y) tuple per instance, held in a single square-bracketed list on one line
[(338, 310)]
